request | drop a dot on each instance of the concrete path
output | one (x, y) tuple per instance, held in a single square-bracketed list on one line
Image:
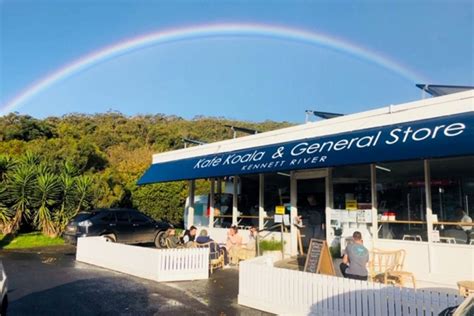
[(50, 282)]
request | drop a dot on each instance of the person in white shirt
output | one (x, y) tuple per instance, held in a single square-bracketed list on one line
[(462, 217)]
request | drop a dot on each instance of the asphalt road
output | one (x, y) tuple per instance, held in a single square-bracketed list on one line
[(50, 282)]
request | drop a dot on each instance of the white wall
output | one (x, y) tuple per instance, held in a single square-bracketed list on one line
[(450, 264)]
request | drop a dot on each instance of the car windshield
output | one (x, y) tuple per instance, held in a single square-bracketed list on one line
[(83, 216)]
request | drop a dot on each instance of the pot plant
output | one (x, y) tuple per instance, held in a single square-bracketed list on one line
[(271, 248)]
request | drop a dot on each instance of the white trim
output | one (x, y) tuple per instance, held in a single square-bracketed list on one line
[(429, 213), (293, 213), (235, 207), (191, 188), (211, 203), (261, 201), (424, 109)]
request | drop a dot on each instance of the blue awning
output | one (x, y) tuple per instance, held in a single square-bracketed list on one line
[(438, 137)]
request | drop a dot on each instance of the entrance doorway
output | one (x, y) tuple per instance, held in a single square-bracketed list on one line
[(311, 204)]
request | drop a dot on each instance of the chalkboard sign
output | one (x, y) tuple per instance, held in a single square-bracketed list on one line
[(318, 259)]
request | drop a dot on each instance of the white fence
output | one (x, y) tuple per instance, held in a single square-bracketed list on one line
[(149, 263), (289, 292)]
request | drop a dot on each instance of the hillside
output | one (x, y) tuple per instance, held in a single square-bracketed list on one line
[(113, 150)]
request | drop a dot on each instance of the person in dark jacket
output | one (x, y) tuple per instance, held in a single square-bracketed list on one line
[(189, 236), (214, 248)]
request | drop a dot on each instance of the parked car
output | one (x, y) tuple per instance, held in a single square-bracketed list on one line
[(4, 288), (127, 226)]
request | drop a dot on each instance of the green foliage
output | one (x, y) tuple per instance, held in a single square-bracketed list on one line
[(270, 245), (87, 161), (161, 200), (45, 197)]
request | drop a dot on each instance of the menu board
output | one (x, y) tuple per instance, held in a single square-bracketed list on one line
[(318, 259)]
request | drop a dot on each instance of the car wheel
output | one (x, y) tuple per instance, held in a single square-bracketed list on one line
[(109, 238), (160, 240)]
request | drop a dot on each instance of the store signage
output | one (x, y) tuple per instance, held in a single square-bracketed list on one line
[(438, 137), (351, 205), (280, 209)]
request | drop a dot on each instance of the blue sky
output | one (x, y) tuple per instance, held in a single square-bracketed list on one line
[(237, 77)]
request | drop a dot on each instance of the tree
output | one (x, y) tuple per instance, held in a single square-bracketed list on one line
[(46, 195), (19, 191), (162, 200)]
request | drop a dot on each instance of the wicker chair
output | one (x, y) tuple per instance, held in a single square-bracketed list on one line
[(387, 267), (382, 262), (216, 256)]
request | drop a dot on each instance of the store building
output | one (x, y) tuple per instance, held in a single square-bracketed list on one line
[(403, 175)]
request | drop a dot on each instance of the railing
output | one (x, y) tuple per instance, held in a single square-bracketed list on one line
[(149, 263), (289, 292)]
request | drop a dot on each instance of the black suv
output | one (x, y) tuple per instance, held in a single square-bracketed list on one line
[(117, 225)]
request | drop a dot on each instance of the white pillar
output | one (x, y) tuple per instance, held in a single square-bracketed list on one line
[(191, 187), (373, 198), (235, 208), (293, 214), (429, 214), (261, 201), (329, 206), (211, 204)]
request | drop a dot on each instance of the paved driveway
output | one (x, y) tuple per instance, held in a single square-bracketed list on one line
[(50, 282)]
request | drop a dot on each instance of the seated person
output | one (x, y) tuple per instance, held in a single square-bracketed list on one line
[(465, 219), (233, 244), (189, 236), (214, 248), (172, 241), (354, 261), (249, 250)]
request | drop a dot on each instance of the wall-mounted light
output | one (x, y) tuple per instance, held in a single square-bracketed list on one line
[(383, 168)]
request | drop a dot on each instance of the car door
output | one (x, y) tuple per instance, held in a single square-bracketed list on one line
[(144, 228), (124, 227)]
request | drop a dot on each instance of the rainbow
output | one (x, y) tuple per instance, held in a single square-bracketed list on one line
[(210, 31)]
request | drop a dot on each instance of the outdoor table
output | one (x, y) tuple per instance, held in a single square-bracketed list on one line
[(466, 288)]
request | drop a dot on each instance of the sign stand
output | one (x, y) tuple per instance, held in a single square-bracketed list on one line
[(319, 259)]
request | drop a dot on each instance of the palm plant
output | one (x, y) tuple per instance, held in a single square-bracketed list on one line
[(83, 187), (18, 191), (5, 213), (6, 164), (67, 185), (45, 197)]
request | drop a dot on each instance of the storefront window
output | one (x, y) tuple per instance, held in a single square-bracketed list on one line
[(276, 193), (352, 207), (401, 200), (452, 196), (248, 201)]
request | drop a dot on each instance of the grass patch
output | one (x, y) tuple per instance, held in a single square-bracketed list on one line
[(270, 245), (30, 240)]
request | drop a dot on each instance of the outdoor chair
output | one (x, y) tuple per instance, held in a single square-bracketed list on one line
[(459, 235), (466, 288), (216, 255), (412, 237), (381, 263), (447, 240), (387, 267), (245, 253), (400, 276), (169, 246)]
